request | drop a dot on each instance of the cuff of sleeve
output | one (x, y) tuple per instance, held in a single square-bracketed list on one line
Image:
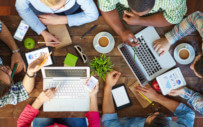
[(187, 93), (170, 37), (92, 115), (107, 117), (31, 109), (40, 28)]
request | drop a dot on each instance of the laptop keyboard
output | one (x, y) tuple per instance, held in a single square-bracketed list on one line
[(133, 64), (66, 73), (70, 89), (146, 57)]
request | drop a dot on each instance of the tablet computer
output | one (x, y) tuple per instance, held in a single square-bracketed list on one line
[(31, 56), (120, 97)]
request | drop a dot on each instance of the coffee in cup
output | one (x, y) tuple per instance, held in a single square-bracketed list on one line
[(184, 53), (103, 41)]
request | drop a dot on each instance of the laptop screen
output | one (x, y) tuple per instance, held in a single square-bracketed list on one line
[(66, 72)]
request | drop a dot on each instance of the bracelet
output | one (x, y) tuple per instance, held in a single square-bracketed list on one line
[(15, 51), (33, 76)]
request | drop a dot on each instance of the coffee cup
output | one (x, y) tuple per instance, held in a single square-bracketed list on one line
[(184, 53), (103, 41)]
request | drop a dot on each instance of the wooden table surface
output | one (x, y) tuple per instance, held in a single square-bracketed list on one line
[(11, 111)]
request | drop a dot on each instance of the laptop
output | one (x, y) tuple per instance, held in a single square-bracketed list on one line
[(146, 64), (71, 94)]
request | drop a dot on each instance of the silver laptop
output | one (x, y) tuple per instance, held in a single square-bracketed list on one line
[(146, 64), (71, 94)]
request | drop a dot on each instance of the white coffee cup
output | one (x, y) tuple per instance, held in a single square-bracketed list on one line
[(184, 53), (103, 41)]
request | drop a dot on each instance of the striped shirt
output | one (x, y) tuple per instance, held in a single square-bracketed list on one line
[(173, 10), (190, 24)]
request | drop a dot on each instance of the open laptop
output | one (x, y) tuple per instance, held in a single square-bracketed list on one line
[(71, 94), (146, 64)]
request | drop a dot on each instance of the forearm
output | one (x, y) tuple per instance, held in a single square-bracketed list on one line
[(168, 103), (108, 105), (93, 103), (6, 37), (37, 104), (28, 82), (113, 19), (156, 20)]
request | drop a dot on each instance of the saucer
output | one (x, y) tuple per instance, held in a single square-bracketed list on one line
[(107, 49), (188, 60)]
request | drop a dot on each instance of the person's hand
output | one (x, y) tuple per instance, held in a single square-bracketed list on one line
[(50, 38), (46, 95), (53, 19), (95, 90), (149, 92), (17, 59), (130, 18), (35, 65), (112, 78), (126, 36), (176, 92), (161, 46)]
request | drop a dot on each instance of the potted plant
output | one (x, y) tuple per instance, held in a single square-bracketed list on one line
[(101, 66)]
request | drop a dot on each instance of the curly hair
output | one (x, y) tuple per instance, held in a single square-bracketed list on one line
[(4, 88)]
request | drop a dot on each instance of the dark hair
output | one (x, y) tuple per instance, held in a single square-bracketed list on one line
[(159, 121), (4, 88), (199, 66), (141, 5)]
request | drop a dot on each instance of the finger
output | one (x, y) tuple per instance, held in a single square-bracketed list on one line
[(42, 16), (140, 89), (159, 50), (56, 40), (162, 53), (24, 67), (139, 95), (128, 13), (157, 47), (47, 92)]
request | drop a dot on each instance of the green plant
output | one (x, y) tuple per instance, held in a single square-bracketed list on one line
[(101, 66)]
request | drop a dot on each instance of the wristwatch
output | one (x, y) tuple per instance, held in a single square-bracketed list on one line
[(31, 76), (15, 51)]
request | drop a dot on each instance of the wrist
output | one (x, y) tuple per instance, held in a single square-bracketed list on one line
[(93, 96), (43, 33), (158, 98), (37, 104), (31, 74), (16, 51)]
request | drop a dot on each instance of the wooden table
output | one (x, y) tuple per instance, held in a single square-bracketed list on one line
[(86, 43)]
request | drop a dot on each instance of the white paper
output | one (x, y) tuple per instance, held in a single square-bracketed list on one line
[(32, 56), (120, 96)]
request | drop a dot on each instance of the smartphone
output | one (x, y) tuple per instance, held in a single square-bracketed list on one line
[(21, 31), (91, 83)]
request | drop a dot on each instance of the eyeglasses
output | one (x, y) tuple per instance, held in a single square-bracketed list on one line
[(80, 52), (60, 7)]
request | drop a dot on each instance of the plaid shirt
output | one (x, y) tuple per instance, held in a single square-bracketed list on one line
[(0, 26), (173, 10), (16, 94), (190, 24), (194, 99)]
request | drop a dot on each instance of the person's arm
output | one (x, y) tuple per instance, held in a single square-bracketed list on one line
[(193, 98), (188, 25), (29, 79), (93, 114), (7, 38), (30, 112)]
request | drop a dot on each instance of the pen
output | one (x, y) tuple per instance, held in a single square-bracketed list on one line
[(57, 85), (146, 98), (47, 42), (89, 31), (14, 69), (44, 60)]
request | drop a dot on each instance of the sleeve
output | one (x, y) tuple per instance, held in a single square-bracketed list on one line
[(0, 26), (185, 115), (27, 116), (89, 14), (188, 25), (194, 99), (23, 9), (93, 119), (19, 91), (107, 5), (110, 120), (175, 11)]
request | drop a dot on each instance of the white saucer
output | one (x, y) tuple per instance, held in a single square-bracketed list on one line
[(107, 49), (191, 57)]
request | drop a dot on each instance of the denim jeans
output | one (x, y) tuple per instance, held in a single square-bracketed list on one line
[(70, 122)]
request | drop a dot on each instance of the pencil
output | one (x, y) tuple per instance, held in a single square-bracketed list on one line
[(44, 60), (146, 98), (58, 85), (89, 31), (14, 69), (47, 42)]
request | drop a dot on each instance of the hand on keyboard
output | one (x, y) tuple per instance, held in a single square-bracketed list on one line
[(161, 46), (47, 95)]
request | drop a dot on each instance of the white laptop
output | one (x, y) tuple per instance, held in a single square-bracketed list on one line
[(72, 94), (171, 80), (146, 64)]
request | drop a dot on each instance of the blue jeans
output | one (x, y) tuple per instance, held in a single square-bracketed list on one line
[(70, 122)]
